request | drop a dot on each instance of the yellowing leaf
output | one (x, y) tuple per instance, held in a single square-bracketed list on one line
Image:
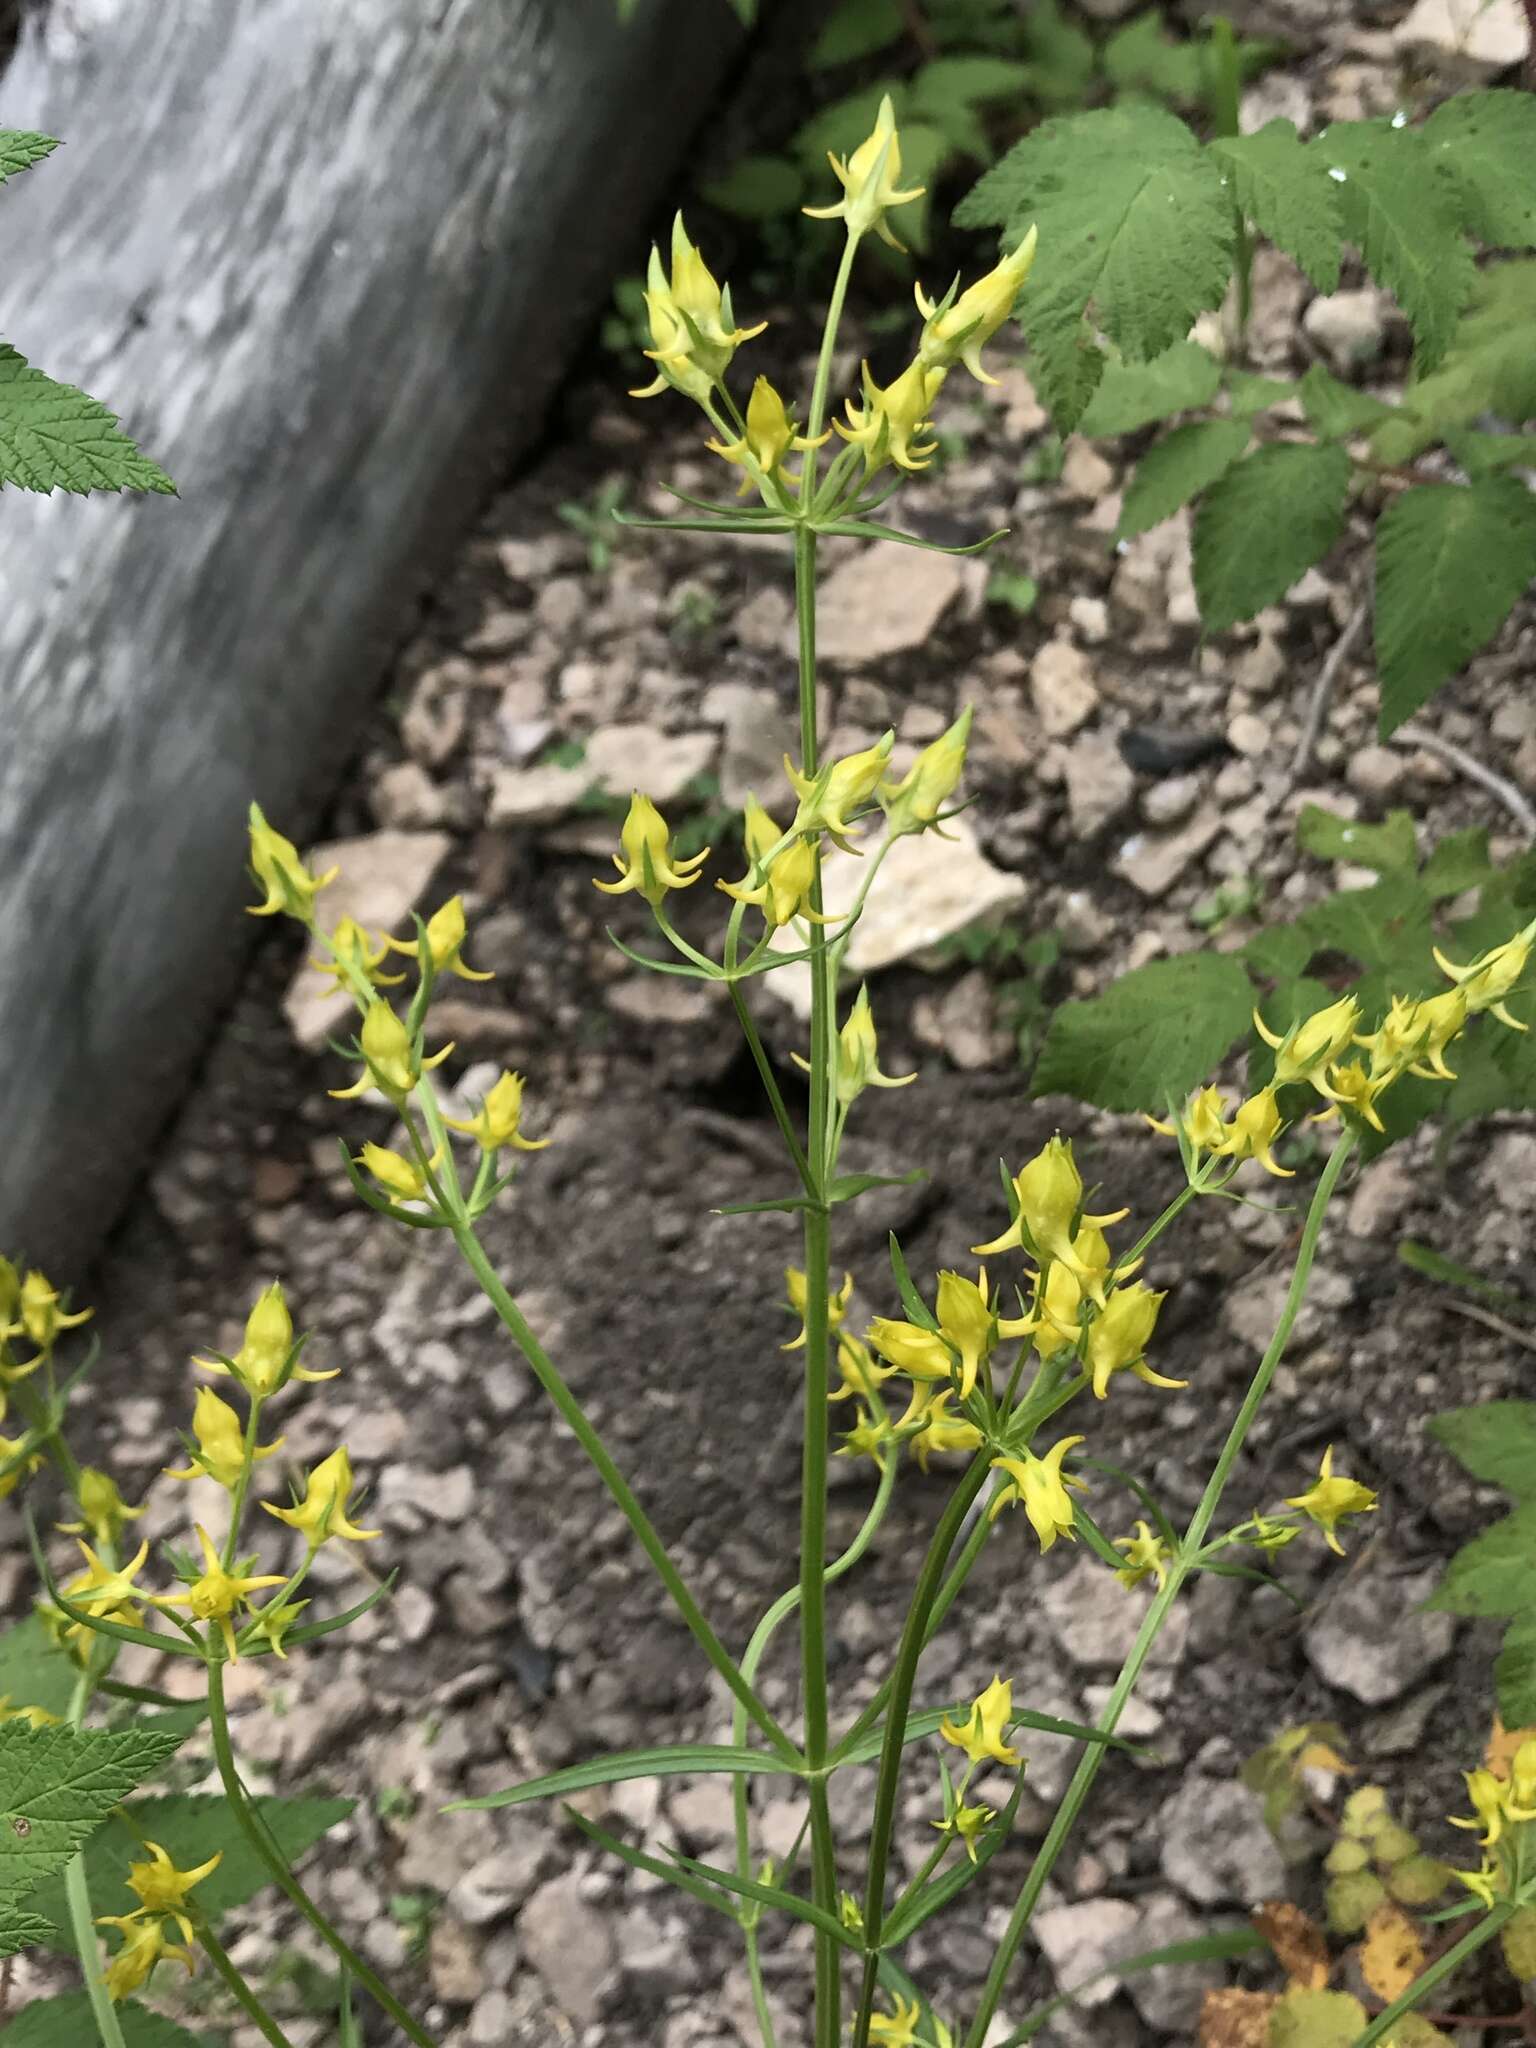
[(1300, 1946), (1236, 2019), (1392, 1954)]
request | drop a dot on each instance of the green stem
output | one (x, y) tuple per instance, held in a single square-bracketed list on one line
[(573, 1414), (249, 1823), (766, 1075), (1469, 1944), (1162, 1602), (242, 1483), (239, 1990), (77, 1893), (818, 411), (914, 1636), (1225, 93)]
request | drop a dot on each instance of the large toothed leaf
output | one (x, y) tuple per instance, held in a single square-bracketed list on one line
[(1451, 559), (1263, 524), (1159, 1030), (57, 1786), (1282, 185), (1484, 144), (1178, 468), (66, 2022), (53, 437)]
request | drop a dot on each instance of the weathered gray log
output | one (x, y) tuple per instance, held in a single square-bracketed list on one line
[(325, 257)]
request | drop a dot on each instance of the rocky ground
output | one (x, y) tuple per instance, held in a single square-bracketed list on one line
[(1136, 793)]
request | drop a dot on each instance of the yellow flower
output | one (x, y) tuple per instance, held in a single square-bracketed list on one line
[(1315, 1043), (1481, 1883), (220, 1443), (354, 957), (103, 1511), (1059, 1295), (848, 785), (860, 1372), (981, 1735), (35, 1717), (395, 1174), (495, 1124), (1118, 1337), (897, 2029), (446, 933), (1147, 1556), (219, 1594), (1254, 1128), (942, 1431), (1487, 1796), (262, 1363), (1493, 975), (1350, 1087), (290, 887), (770, 436), (391, 1054), (21, 1466), (160, 1887), (144, 1944), (323, 1511), (693, 328), (969, 1328), (785, 890), (837, 1304), (915, 802), (958, 329), (1330, 1499), (1202, 1123), (273, 1622), (889, 426), (921, 1354), (647, 862), (858, 1055), (1041, 1487), (966, 1823), (871, 180), (1049, 1192), (39, 1315), (106, 1592)]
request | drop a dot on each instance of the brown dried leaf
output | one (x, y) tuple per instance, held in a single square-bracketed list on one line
[(1236, 2019), (1300, 1946), (1391, 1955), (1502, 1744)]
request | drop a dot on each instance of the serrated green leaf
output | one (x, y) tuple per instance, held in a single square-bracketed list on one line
[(1132, 395), (854, 29), (681, 1759), (53, 437), (66, 2022), (191, 1827), (57, 1785), (1495, 1442), (1484, 144), (1493, 1575), (1158, 1030), (1282, 185), (1487, 454), (20, 148), (1459, 862), (757, 188), (1392, 845), (1248, 394), (1135, 225), (33, 1673), (20, 1929), (1263, 524), (1451, 559), (1396, 212), (1514, 1673), (1180, 467), (1384, 927), (1141, 58), (1338, 410), (1489, 367)]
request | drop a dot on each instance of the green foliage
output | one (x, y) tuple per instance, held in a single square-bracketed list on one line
[(1132, 395), (599, 522), (1180, 467), (33, 1673), (1489, 368), (191, 1827), (1143, 58), (1011, 587), (1262, 523), (57, 1786), (1451, 559), (1286, 190), (66, 2022), (1484, 144), (1159, 1029), (1492, 1576)]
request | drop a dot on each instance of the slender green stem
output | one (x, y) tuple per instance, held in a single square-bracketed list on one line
[(1225, 87), (1441, 1968), (239, 1990), (766, 1075), (914, 1636), (1162, 1602), (77, 1893), (823, 378), (249, 1822), (574, 1415), (242, 1483), (760, 2006)]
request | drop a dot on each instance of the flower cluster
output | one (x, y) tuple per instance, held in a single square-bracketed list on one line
[(164, 1910), (1503, 1809)]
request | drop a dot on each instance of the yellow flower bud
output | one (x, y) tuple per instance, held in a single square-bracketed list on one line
[(144, 1945), (446, 933), (391, 1055), (220, 1435), (769, 437), (842, 787), (1493, 976), (323, 1511), (261, 1363), (693, 329), (647, 862), (1203, 1122), (160, 1887), (353, 957), (395, 1174), (1307, 1048), (219, 1594), (915, 801), (982, 1735), (1254, 1128), (495, 1123), (858, 1055), (1147, 1556), (41, 1316), (958, 329), (837, 1304), (1040, 1487), (103, 1511), (290, 887), (890, 424), (871, 180), (1049, 1192), (1118, 1337), (785, 890)]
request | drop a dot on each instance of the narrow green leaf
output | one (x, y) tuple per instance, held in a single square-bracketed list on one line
[(1433, 1265), (849, 1185), (1451, 559), (1484, 144), (1283, 187), (53, 437), (1494, 1573), (1389, 847), (911, 1300), (1495, 1442), (1262, 525), (1160, 1029), (1132, 395), (1337, 410), (1178, 468), (788, 1204), (944, 1889), (681, 1760)]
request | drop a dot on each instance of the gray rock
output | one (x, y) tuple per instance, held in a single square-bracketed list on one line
[(498, 1884), (1084, 472), (1061, 685), (1153, 865), (1508, 1170), (490, 2023), (453, 1963), (1216, 1848), (1099, 784), (384, 877), (318, 1721), (570, 1943), (1169, 1997), (1169, 799), (1385, 1191), (1095, 1618), (167, 659), (1248, 734), (1371, 1642), (621, 758), (1470, 39), (885, 600), (1349, 327), (535, 796), (1080, 1939)]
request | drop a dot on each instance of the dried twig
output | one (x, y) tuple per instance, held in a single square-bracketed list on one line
[(1514, 800), (1487, 1317), (1322, 692)]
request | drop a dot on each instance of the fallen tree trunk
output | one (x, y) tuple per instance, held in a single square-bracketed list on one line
[(326, 262)]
